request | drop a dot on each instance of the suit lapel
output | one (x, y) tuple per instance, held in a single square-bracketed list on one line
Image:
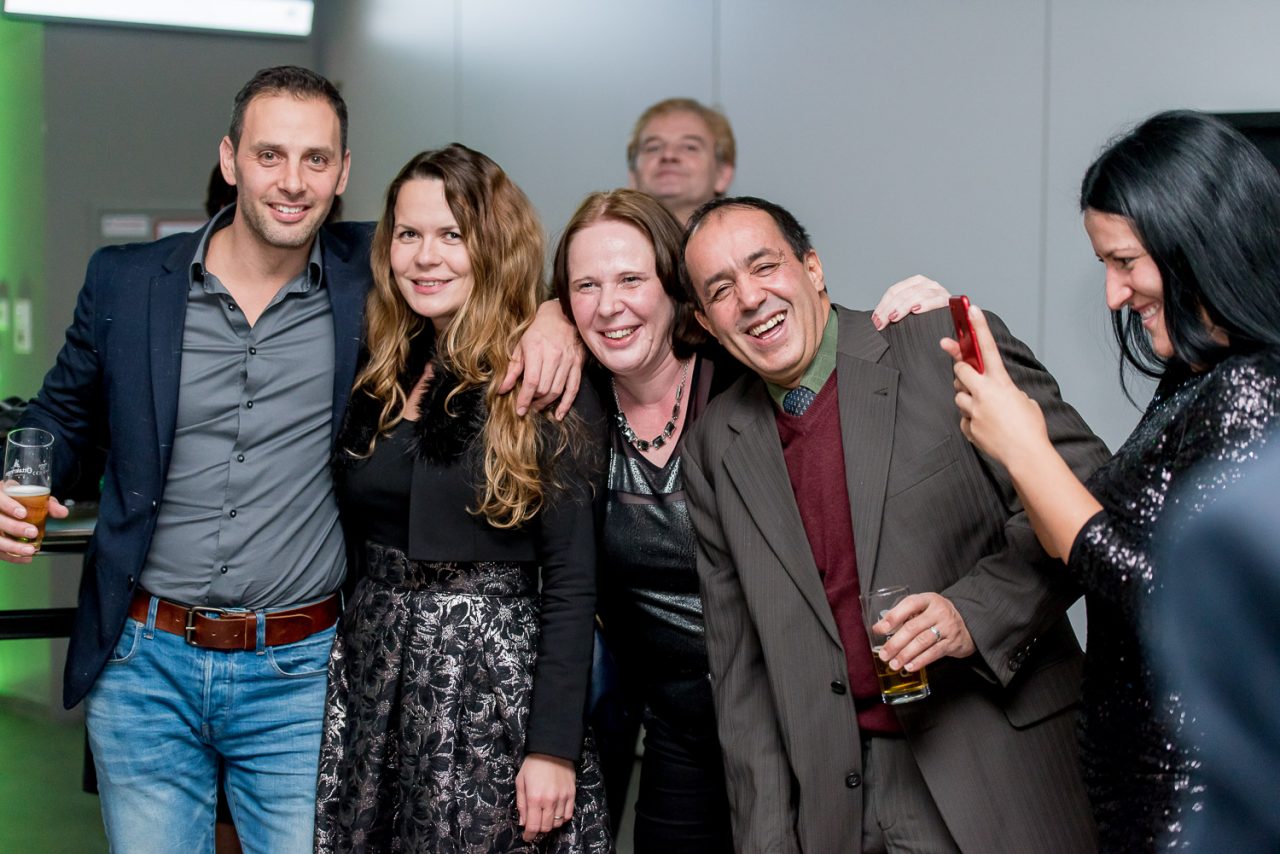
[(346, 280), (868, 395), (166, 319), (756, 466)]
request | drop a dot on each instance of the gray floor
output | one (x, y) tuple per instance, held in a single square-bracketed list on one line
[(627, 831), (42, 807)]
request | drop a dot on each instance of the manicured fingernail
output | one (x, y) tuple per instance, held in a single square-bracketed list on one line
[(30, 532), (915, 309), (894, 665), (893, 315)]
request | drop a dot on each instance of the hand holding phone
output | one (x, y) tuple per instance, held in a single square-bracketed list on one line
[(964, 332)]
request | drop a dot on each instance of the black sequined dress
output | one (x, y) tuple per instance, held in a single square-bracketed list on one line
[(1197, 435)]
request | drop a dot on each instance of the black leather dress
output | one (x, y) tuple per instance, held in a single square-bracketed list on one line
[(651, 612)]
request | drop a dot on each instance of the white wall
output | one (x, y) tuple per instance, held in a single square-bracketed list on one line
[(133, 120), (932, 136), (549, 90), (923, 136), (926, 136), (914, 136), (1112, 63)]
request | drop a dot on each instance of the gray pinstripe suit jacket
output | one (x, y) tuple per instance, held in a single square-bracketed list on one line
[(996, 742)]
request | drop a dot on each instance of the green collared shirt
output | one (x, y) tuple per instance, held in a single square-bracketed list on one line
[(822, 366)]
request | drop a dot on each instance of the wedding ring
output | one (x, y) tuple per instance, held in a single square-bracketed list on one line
[(557, 818), (936, 634)]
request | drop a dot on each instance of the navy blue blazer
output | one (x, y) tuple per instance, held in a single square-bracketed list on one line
[(1221, 590), (115, 387)]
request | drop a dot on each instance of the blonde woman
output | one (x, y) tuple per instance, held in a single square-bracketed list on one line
[(458, 680)]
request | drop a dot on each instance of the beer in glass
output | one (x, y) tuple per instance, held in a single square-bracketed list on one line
[(896, 686), (28, 455)]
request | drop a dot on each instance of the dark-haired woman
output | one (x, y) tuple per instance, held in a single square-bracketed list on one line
[(457, 683), (616, 273), (1185, 215)]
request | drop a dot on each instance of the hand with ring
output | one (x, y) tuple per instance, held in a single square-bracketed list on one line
[(544, 794), (924, 627)]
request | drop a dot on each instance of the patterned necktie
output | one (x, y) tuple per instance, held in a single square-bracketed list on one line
[(796, 401)]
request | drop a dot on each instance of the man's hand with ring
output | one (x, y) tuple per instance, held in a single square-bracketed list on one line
[(924, 627)]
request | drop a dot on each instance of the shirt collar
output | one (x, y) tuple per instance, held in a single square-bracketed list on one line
[(314, 277), (822, 366)]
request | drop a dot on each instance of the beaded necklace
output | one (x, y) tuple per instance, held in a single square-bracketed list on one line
[(667, 431)]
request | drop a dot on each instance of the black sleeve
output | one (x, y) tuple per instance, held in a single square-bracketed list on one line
[(567, 553), (1221, 432)]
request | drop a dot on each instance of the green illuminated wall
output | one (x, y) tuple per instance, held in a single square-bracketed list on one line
[(24, 665), (21, 197)]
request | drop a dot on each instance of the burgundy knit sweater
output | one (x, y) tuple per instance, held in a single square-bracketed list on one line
[(814, 453)]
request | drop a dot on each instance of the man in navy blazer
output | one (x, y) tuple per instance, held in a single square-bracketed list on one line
[(214, 369)]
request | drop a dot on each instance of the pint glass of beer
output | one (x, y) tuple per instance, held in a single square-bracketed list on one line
[(896, 686), (28, 454)]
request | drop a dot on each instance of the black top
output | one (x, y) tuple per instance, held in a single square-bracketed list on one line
[(377, 490), (650, 605), (1195, 438), (446, 450)]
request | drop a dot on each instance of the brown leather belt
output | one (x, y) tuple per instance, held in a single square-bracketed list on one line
[(218, 628)]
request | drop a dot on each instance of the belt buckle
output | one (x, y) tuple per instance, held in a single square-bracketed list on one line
[(189, 628)]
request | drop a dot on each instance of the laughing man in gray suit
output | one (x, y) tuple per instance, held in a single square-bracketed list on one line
[(789, 537)]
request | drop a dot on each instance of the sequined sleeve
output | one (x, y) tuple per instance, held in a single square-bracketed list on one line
[(1221, 420)]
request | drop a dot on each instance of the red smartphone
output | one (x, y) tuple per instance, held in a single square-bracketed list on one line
[(964, 332)]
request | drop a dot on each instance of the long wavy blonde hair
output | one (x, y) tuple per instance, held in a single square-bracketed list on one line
[(504, 243)]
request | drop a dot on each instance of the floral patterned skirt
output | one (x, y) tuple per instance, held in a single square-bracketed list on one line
[(429, 686)]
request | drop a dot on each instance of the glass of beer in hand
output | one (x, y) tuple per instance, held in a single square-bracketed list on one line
[(28, 455), (896, 686)]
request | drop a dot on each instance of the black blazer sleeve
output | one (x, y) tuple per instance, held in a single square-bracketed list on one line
[(567, 554)]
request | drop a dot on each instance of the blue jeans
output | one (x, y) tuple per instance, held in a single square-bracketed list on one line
[(163, 712)]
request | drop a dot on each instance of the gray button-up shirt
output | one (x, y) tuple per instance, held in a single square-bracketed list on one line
[(249, 517)]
